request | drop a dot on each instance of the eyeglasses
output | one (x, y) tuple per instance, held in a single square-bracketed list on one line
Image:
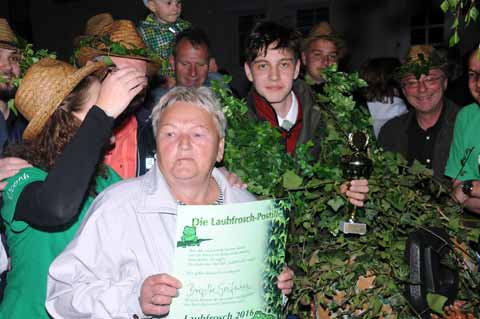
[(429, 81), (473, 75)]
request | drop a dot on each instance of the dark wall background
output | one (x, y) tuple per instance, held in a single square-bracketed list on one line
[(372, 28)]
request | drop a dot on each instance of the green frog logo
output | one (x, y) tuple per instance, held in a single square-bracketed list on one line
[(189, 237), (262, 315)]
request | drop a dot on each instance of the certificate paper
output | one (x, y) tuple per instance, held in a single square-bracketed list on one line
[(228, 258)]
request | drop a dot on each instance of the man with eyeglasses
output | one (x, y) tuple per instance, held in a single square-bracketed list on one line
[(463, 164), (425, 133)]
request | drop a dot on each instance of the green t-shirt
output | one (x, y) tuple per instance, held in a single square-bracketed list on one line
[(33, 250), (465, 146)]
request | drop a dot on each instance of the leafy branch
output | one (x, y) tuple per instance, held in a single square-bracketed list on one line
[(345, 275), (463, 11)]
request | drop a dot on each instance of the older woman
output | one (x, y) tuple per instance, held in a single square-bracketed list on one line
[(118, 264)]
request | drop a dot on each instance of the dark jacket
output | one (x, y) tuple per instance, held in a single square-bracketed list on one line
[(313, 126), (146, 145), (394, 136)]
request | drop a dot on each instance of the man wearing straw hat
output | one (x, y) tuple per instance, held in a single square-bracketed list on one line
[(134, 148), (134, 151), (9, 69), (321, 48), (116, 40), (425, 133), (11, 127)]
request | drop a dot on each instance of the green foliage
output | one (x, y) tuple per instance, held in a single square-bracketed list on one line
[(31, 56), (327, 262), (276, 256), (458, 9), (436, 302)]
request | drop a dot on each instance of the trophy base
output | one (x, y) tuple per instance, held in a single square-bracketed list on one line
[(353, 228)]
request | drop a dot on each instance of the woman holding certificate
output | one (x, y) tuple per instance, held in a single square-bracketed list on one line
[(118, 265)]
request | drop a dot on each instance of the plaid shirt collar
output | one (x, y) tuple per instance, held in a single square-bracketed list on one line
[(152, 21)]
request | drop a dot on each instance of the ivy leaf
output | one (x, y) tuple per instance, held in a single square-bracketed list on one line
[(336, 203), (455, 23), (108, 60), (417, 167), (445, 6), (454, 39), (11, 106), (473, 13), (291, 180), (436, 302), (453, 3)]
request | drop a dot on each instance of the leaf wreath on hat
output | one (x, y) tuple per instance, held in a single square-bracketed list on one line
[(28, 57), (109, 47), (416, 67), (421, 64)]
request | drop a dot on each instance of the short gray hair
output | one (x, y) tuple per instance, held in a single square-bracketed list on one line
[(202, 97)]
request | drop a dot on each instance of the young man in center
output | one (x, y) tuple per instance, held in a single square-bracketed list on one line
[(272, 65)]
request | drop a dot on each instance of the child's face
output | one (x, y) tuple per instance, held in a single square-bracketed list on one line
[(167, 11)]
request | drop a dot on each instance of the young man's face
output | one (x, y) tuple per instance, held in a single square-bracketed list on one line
[(320, 54), (167, 11), (9, 69), (474, 76), (272, 74), (191, 64)]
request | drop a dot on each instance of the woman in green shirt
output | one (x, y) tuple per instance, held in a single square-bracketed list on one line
[(71, 116)]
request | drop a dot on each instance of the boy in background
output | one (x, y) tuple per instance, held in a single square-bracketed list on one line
[(160, 28)]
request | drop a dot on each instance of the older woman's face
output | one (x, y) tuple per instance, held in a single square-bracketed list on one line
[(188, 144)]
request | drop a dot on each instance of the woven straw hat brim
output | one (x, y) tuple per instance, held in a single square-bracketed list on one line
[(8, 45), (7, 37), (41, 117), (86, 54)]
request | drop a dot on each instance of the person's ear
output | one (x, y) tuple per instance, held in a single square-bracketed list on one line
[(304, 58), (151, 6), (445, 83), (171, 60), (297, 69), (248, 71), (212, 65), (221, 149)]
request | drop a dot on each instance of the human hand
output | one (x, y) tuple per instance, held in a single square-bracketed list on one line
[(170, 82), (356, 191), (233, 178), (119, 88), (458, 193), (156, 294), (285, 280), (212, 65), (10, 166)]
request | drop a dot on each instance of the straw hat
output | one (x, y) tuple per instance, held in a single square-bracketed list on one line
[(122, 33), (8, 40), (420, 59), (323, 30), (45, 85)]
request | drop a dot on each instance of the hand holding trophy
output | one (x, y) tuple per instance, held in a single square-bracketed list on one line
[(356, 166)]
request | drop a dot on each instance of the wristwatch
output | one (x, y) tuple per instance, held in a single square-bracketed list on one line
[(467, 188)]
